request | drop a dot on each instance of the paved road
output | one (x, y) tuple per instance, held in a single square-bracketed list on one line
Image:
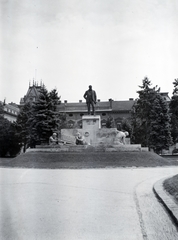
[(93, 204)]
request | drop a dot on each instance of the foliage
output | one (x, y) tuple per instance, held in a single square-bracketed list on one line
[(22, 125), (9, 142), (110, 122), (150, 119), (125, 125), (140, 113), (45, 119), (174, 112), (13, 141), (1, 110), (160, 128)]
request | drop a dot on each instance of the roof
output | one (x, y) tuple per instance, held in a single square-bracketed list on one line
[(99, 107), (122, 105), (33, 92)]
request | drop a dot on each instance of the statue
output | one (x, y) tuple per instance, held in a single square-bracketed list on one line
[(53, 140), (80, 140), (90, 96), (121, 136)]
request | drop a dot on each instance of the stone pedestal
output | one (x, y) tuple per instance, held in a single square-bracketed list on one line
[(90, 126), (97, 138)]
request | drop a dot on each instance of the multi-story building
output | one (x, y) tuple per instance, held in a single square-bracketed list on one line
[(115, 111), (11, 110)]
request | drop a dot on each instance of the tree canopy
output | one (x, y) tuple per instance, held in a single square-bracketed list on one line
[(174, 112), (150, 118)]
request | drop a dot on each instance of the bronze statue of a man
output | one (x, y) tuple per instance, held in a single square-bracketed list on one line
[(90, 96)]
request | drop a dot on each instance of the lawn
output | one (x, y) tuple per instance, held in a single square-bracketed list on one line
[(76, 160), (171, 186)]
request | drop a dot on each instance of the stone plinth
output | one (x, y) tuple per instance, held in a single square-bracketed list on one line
[(99, 139), (90, 126), (87, 148)]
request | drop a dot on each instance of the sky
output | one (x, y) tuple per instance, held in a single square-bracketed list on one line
[(71, 44)]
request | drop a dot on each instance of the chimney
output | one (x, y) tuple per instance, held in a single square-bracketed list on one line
[(110, 100)]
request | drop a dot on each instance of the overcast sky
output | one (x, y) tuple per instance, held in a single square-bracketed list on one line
[(70, 44)]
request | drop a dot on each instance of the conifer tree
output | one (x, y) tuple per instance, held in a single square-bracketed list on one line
[(53, 103), (45, 118), (160, 127), (39, 120), (174, 112), (150, 119), (140, 114)]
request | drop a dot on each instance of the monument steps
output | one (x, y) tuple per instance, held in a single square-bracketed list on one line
[(87, 148)]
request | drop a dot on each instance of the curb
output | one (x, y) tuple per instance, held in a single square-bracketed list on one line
[(166, 199)]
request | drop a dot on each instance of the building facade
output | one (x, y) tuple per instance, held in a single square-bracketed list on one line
[(114, 111), (11, 111)]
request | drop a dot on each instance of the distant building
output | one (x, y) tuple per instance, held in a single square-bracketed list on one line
[(165, 96), (32, 93), (11, 111), (116, 111)]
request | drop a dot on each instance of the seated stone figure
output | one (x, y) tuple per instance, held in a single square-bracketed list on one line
[(120, 137), (53, 140), (80, 140)]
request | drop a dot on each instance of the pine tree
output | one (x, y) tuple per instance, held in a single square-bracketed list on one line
[(53, 103), (174, 112), (45, 118), (150, 119), (39, 120), (140, 114), (160, 127)]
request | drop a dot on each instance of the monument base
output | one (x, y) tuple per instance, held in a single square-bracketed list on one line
[(87, 148), (90, 126), (93, 133)]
